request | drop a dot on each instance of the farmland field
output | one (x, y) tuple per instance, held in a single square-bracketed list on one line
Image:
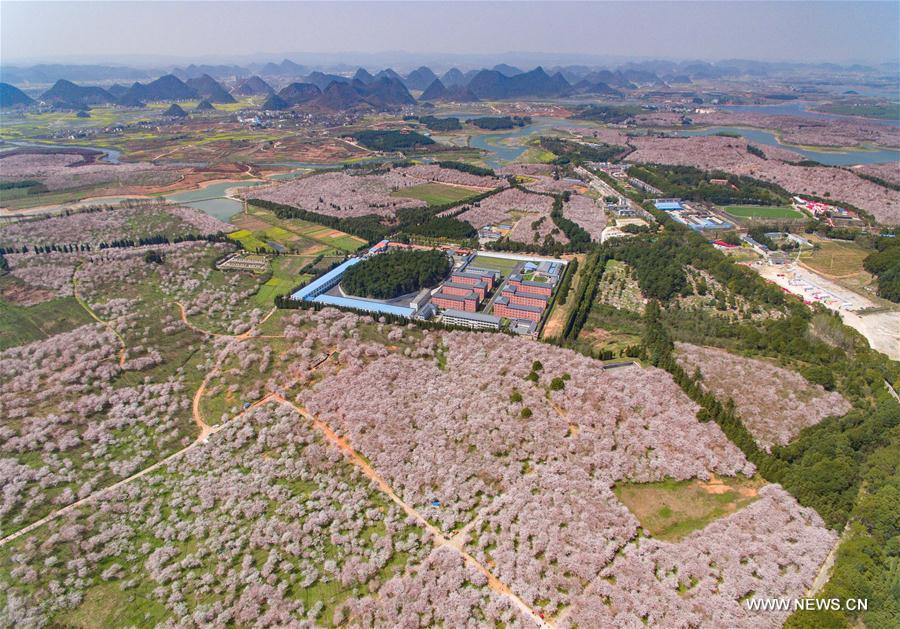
[(762, 211), (249, 240), (436, 193), (295, 234), (285, 276)]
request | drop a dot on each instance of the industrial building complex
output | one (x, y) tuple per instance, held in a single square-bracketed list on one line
[(696, 218), (484, 290)]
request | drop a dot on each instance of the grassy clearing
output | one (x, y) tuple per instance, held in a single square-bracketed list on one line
[(436, 193), (761, 211), (108, 605), (346, 243), (837, 258), (50, 198), (23, 324), (494, 264), (671, 509), (600, 339), (609, 329)]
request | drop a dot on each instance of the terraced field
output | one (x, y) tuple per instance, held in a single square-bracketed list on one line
[(257, 226)]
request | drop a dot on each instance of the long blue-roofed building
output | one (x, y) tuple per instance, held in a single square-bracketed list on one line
[(367, 305), (668, 205), (325, 283), (317, 291)]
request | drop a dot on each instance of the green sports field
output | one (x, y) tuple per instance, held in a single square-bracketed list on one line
[(762, 211), (494, 264)]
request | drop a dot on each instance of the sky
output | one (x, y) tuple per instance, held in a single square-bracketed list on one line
[(152, 32)]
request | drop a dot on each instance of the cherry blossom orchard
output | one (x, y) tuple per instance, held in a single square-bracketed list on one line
[(543, 343), (400, 480)]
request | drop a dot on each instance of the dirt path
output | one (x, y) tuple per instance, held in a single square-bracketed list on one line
[(439, 539), (553, 326), (94, 496), (459, 539), (94, 315), (240, 337), (357, 146), (205, 429)]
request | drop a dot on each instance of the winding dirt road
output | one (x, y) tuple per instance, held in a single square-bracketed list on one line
[(439, 538), (240, 337), (205, 429)]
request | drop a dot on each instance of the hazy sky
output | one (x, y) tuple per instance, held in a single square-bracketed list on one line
[(120, 31)]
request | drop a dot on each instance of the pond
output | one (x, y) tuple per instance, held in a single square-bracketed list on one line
[(828, 157), (212, 199)]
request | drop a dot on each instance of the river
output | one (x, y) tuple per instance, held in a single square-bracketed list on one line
[(110, 156), (828, 157), (801, 109)]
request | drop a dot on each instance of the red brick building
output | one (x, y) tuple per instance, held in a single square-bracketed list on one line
[(540, 288), (453, 288), (503, 308), (521, 297), (474, 277), (448, 301)]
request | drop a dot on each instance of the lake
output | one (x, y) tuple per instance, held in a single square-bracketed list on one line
[(503, 147), (830, 158), (212, 200)]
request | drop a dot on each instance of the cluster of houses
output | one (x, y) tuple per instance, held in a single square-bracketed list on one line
[(697, 218), (831, 214), (471, 296)]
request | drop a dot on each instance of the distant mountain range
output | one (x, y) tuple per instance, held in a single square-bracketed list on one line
[(494, 85), (209, 89), (287, 71), (254, 86), (360, 88), (67, 94), (420, 78), (169, 87), (382, 94), (456, 93), (384, 90)]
